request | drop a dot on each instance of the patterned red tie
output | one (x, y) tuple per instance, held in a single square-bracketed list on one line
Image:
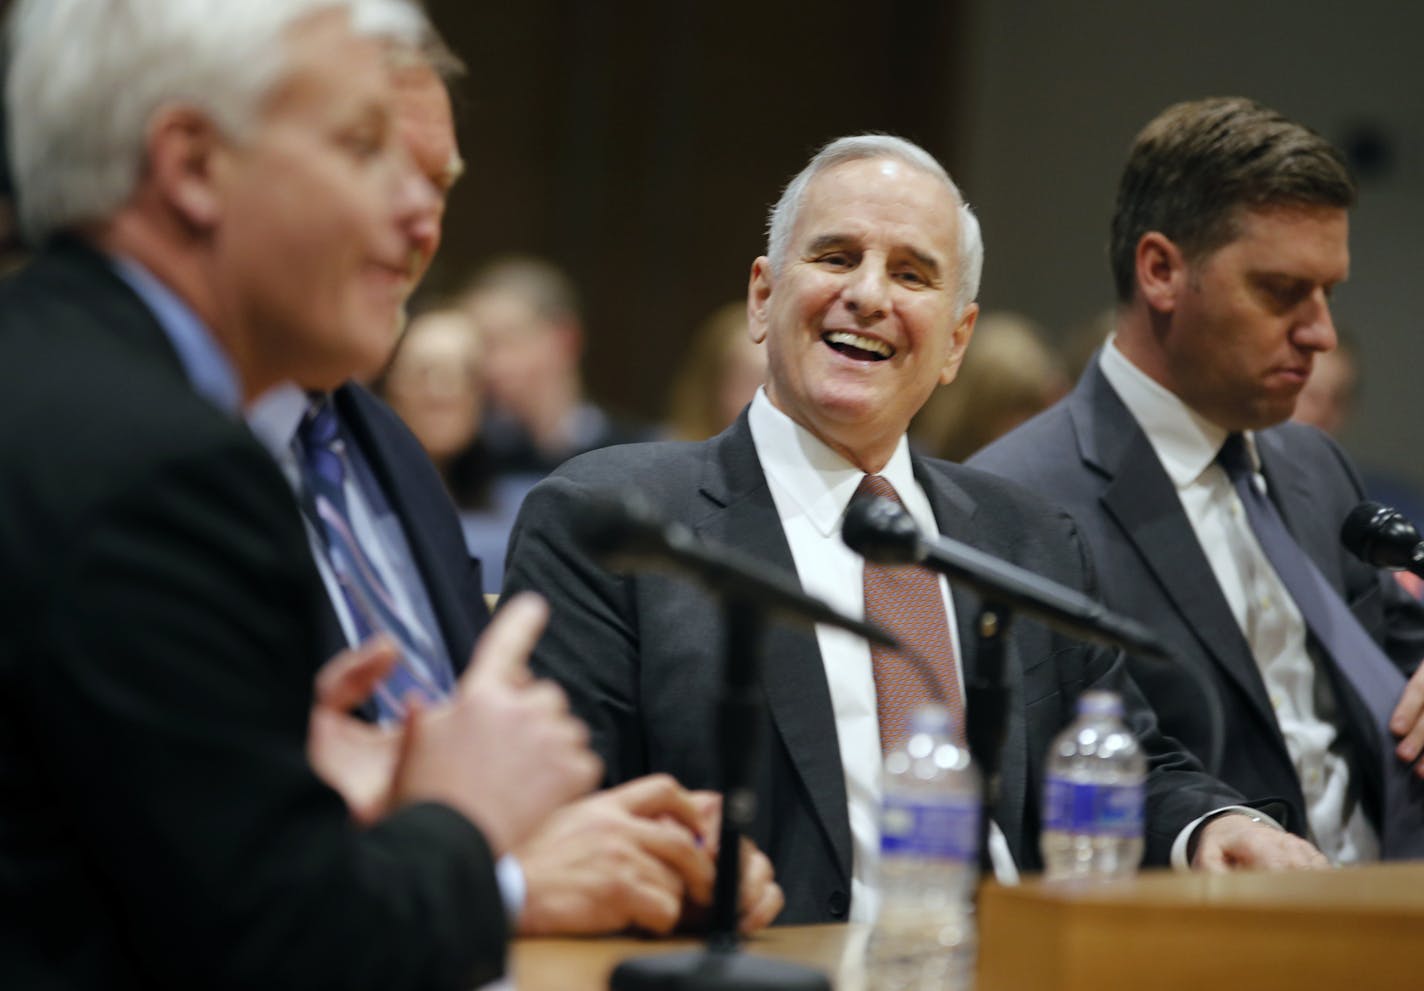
[(905, 600)]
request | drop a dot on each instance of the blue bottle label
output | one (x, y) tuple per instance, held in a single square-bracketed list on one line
[(1101, 809), (946, 828)]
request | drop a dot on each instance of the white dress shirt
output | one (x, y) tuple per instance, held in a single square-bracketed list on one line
[(811, 486), (1187, 445)]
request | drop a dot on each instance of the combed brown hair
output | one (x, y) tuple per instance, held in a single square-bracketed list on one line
[(1198, 163)]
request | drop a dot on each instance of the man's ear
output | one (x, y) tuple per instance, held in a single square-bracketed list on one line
[(1161, 271), (959, 340), (184, 151), (759, 299)]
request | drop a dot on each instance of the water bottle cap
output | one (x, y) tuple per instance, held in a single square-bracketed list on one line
[(931, 718), (1100, 704)]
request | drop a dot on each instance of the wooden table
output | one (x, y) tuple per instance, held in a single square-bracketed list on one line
[(585, 964), (1360, 929)]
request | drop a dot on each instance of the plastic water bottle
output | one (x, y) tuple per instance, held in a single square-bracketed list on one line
[(1092, 808), (929, 860)]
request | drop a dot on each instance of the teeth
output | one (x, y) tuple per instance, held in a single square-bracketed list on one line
[(856, 341)]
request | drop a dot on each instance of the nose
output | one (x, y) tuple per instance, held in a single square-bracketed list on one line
[(420, 206), (867, 289), (1316, 330)]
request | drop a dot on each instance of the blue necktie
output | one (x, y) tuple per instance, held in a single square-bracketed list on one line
[(368, 600), (1367, 668)]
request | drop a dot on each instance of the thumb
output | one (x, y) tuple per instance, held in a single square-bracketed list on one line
[(502, 654), (349, 678)]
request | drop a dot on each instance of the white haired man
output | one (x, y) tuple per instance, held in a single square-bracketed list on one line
[(221, 202), (865, 300)]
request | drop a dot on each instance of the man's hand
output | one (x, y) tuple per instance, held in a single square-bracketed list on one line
[(1407, 722), (351, 755), (624, 858), (504, 750), (760, 897), (1238, 842)]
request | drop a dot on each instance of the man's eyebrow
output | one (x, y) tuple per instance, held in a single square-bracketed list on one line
[(928, 262), (827, 242)]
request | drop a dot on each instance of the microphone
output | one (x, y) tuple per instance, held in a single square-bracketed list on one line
[(624, 530), (880, 530), (1383, 537)]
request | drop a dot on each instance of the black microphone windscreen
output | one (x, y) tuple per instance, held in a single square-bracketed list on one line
[(882, 532), (1379, 535)]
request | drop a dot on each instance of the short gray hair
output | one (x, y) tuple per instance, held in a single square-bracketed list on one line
[(87, 76), (867, 146)]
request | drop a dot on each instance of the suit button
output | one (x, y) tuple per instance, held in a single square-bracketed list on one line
[(838, 903)]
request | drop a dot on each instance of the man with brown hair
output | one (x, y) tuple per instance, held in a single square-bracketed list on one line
[(1212, 519)]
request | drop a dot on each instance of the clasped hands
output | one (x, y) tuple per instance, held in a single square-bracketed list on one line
[(505, 751)]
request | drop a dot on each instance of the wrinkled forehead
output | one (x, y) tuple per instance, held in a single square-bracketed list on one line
[(884, 199)]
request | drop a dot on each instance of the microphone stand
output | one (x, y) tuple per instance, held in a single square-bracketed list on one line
[(986, 707), (721, 966)]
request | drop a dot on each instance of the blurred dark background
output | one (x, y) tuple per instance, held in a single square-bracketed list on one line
[(639, 144)]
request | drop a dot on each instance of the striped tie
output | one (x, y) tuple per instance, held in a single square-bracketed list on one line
[(368, 600), (905, 600)]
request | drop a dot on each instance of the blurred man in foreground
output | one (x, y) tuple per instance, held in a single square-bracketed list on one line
[(865, 301), (638, 856), (1213, 520), (221, 203)]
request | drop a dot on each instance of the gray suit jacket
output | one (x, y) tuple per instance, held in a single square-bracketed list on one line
[(640, 655), (1090, 455)]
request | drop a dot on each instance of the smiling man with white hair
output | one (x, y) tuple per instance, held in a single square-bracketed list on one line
[(220, 201), (865, 301)]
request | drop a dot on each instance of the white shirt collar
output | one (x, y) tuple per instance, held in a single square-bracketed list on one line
[(819, 480), (1185, 441), (274, 417)]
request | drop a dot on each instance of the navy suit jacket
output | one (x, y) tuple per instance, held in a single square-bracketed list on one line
[(639, 655), (427, 516), (1091, 457)]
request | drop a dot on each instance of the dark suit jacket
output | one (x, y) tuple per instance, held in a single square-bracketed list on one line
[(427, 516), (639, 655), (1089, 454), (158, 632)]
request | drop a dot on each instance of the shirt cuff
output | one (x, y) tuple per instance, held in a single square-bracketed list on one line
[(1186, 842), (510, 877)]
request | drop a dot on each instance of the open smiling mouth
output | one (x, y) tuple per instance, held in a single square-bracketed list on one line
[(857, 347)]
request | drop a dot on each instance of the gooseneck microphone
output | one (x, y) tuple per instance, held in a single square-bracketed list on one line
[(880, 530), (623, 530), (1383, 537)]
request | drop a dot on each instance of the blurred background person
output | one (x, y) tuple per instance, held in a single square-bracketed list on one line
[(1329, 393), (1082, 341), (1008, 375), (718, 377), (528, 312), (436, 384)]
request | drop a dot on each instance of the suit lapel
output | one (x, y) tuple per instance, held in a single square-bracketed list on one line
[(1289, 488), (402, 489), (954, 511), (740, 513), (1140, 497)]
